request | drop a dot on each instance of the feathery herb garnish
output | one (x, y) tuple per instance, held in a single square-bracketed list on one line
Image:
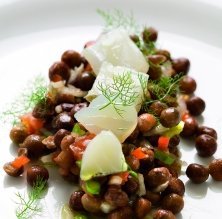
[(120, 93), (29, 204), (116, 18), (33, 94), (162, 88)]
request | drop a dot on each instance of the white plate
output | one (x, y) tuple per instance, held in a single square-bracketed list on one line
[(34, 33)]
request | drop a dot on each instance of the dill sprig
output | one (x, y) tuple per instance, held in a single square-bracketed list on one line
[(116, 18), (33, 94), (119, 93), (162, 88), (28, 205)]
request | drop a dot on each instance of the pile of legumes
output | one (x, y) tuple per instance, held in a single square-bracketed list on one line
[(111, 121)]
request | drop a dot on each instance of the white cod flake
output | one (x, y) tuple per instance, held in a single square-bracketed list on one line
[(105, 77), (117, 48), (95, 119)]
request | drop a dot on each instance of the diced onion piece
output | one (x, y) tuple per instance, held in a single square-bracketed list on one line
[(161, 187), (115, 180), (142, 188), (117, 48), (103, 156), (106, 207), (95, 119)]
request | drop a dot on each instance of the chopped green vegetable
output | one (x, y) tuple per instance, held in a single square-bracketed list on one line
[(80, 216), (67, 213), (92, 187), (133, 174), (77, 129), (164, 157), (78, 163), (176, 130)]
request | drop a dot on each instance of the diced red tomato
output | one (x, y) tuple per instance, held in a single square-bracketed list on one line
[(31, 123), (124, 176), (138, 153), (79, 146), (20, 161), (185, 116), (163, 143)]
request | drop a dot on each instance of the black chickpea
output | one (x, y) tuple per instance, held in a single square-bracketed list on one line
[(190, 127), (175, 186), (63, 121), (75, 202), (157, 176), (207, 130), (157, 59), (36, 172), (163, 214), (205, 145), (71, 58), (59, 71), (150, 34), (142, 207), (59, 135), (154, 72), (170, 117), (197, 173), (157, 107), (173, 202), (187, 85), (181, 65), (195, 105), (66, 142), (121, 213), (135, 38), (131, 185), (77, 107), (91, 203), (13, 171), (84, 81), (153, 197), (18, 134), (115, 196), (133, 162), (164, 52), (34, 145), (146, 122), (215, 169), (174, 141)]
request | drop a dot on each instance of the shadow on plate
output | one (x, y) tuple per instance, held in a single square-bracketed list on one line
[(203, 160), (215, 186), (197, 191), (16, 182), (13, 148), (187, 144)]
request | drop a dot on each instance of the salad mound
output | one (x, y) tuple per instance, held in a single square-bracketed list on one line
[(110, 120)]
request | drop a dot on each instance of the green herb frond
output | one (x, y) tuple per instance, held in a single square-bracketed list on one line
[(162, 88), (33, 94), (116, 18), (120, 93), (28, 205)]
